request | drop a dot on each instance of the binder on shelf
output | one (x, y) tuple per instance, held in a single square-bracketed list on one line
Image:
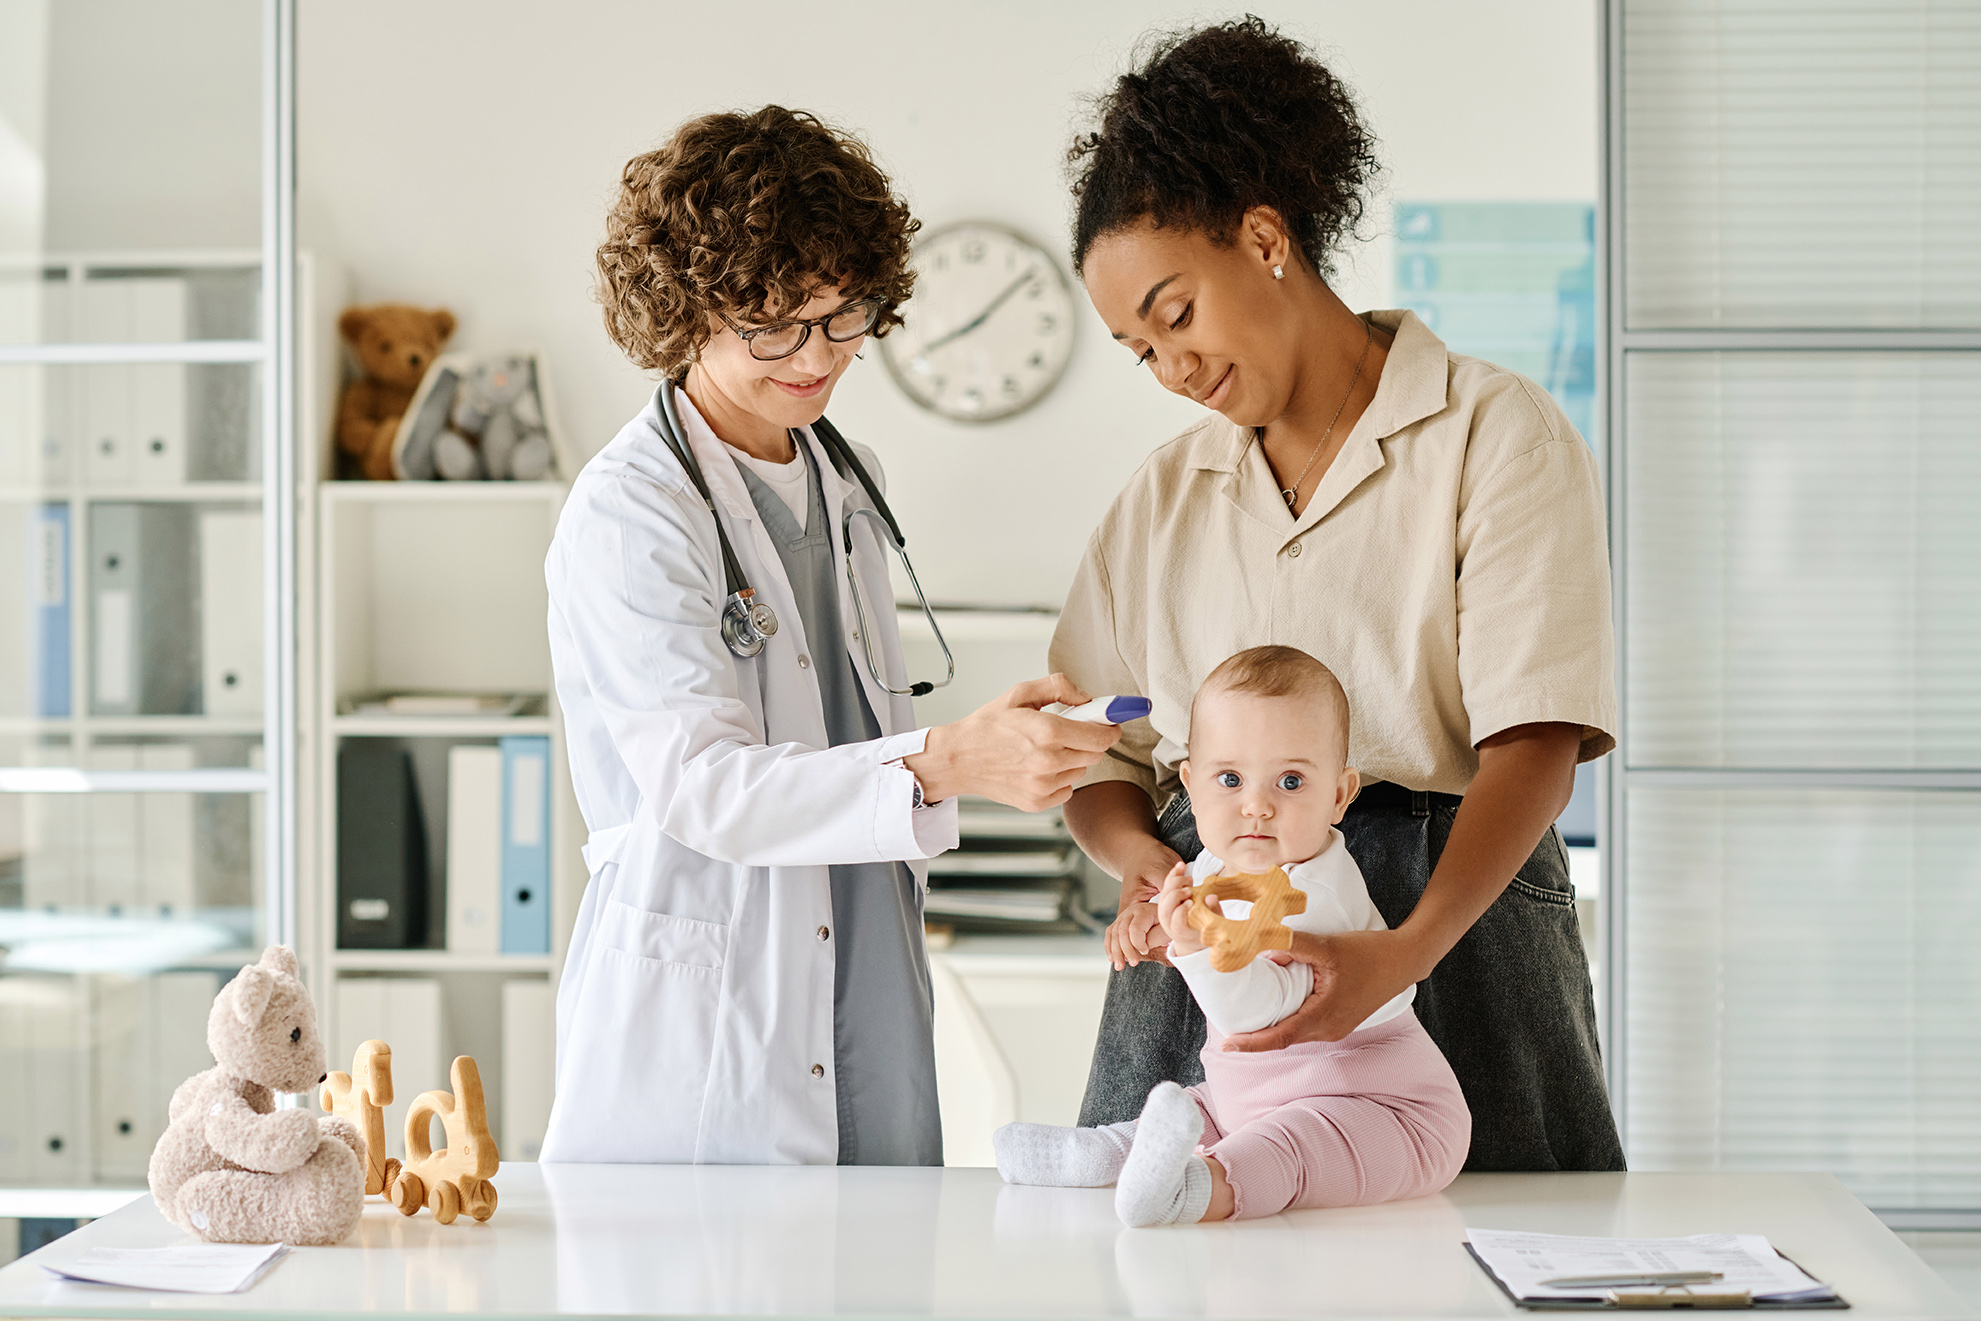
[(381, 849), (158, 389), (49, 573), (104, 317), (230, 612), (16, 1078), (123, 1074), (53, 865), (150, 1036), (145, 653), (115, 851), (55, 1096), (474, 849), (165, 837), (529, 1034), (526, 844), (404, 1013)]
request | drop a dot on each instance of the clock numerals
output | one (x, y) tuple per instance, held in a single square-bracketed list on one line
[(1036, 289), (1047, 323), (1011, 386), (973, 399), (1037, 360), (974, 251)]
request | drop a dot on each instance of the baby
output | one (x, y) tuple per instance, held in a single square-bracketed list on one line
[(1374, 1117)]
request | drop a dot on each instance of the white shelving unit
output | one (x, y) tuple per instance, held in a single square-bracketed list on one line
[(425, 586)]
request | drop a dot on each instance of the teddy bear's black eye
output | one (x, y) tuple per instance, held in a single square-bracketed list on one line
[(385, 346), (296, 1035)]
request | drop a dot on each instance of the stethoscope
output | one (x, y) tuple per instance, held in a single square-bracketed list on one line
[(748, 622)]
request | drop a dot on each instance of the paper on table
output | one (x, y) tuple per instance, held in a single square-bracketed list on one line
[(1747, 1261), (189, 1268)]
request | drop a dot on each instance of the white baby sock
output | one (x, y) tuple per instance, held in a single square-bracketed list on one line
[(1056, 1157), (1165, 1181)]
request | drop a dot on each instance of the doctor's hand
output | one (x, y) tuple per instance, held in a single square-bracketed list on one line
[(1011, 752)]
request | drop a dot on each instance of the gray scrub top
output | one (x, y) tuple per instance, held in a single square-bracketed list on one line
[(883, 1013)]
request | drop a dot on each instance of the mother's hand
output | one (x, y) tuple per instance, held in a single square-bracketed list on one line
[(1355, 974)]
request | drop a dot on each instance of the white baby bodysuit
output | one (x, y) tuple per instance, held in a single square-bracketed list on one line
[(1262, 992)]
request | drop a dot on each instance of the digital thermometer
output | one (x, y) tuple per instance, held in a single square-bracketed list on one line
[(1109, 710)]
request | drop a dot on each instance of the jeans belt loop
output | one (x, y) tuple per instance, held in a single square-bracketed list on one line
[(1420, 802)]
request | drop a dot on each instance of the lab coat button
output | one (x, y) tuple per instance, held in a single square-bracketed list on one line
[(818, 1071), (1294, 550), (824, 932), (804, 662)]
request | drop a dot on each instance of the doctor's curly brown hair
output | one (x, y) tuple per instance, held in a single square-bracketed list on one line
[(744, 215), (1215, 122)]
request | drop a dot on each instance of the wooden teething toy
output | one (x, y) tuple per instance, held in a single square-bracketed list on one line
[(361, 1097), (1236, 942), (455, 1178)]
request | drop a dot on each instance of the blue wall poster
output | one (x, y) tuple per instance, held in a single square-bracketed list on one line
[(1511, 282)]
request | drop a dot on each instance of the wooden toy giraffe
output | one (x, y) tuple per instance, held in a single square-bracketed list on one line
[(361, 1097), (455, 1178)]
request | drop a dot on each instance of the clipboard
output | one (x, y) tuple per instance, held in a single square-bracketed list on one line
[(1672, 1298)]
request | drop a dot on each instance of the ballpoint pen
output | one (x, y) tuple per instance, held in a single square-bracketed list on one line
[(1622, 1281)]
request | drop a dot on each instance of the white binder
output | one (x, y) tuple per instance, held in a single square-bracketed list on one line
[(52, 868), (474, 849), (56, 1112), (165, 837), (158, 389), (16, 1139), (404, 1013), (230, 611), (529, 1038), (115, 847), (125, 1064), (150, 1037), (104, 317)]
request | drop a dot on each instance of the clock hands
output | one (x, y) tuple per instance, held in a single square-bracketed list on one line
[(982, 316)]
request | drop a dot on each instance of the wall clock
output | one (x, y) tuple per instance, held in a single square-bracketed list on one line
[(990, 327)]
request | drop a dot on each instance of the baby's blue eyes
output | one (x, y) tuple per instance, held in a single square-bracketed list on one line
[(1288, 782)]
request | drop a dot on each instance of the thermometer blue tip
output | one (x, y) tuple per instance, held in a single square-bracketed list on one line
[(1124, 709)]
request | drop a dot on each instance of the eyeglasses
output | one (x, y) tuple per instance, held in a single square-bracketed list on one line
[(769, 343)]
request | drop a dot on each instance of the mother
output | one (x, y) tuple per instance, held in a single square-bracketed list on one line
[(1428, 525)]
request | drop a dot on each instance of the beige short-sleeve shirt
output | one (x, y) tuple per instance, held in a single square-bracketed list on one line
[(1451, 569)]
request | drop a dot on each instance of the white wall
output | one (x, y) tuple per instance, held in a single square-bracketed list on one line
[(463, 152)]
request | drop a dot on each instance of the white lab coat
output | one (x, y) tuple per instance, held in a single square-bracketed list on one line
[(694, 1019)]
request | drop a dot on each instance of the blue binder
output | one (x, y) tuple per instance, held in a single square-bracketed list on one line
[(526, 844), (52, 596)]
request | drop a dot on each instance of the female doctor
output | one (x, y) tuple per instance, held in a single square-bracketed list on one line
[(747, 981)]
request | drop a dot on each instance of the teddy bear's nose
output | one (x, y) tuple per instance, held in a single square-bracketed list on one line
[(413, 358)]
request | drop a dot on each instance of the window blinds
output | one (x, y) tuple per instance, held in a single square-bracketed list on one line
[(1802, 163), (1804, 560), (1802, 988)]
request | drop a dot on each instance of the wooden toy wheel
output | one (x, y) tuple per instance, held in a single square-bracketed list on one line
[(444, 1200), (408, 1193), (481, 1203)]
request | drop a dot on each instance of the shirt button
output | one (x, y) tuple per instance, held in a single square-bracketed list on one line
[(804, 662), (1293, 550), (824, 932), (818, 1071)]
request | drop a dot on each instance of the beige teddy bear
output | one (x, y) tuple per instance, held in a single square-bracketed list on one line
[(234, 1169)]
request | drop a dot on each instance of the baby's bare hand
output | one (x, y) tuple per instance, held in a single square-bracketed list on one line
[(1173, 910)]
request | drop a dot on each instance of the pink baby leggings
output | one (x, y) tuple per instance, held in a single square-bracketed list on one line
[(1374, 1117)]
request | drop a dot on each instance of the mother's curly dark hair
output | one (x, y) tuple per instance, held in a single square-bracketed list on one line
[(1215, 122), (746, 216)]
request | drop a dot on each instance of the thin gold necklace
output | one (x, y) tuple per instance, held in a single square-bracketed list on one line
[(1294, 494)]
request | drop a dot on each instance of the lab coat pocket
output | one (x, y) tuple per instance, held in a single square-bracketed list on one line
[(652, 998)]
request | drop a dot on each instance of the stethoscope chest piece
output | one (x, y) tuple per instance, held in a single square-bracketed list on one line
[(746, 623)]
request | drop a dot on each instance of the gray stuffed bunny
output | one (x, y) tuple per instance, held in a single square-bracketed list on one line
[(496, 429)]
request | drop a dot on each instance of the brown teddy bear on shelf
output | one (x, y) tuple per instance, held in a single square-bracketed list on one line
[(394, 344), (232, 1168)]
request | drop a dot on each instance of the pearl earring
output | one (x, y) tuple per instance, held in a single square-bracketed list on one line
[(1278, 274)]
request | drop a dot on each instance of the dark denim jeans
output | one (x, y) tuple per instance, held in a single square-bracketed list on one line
[(1511, 1005)]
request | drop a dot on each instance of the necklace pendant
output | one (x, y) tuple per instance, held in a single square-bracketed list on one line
[(1289, 497)]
